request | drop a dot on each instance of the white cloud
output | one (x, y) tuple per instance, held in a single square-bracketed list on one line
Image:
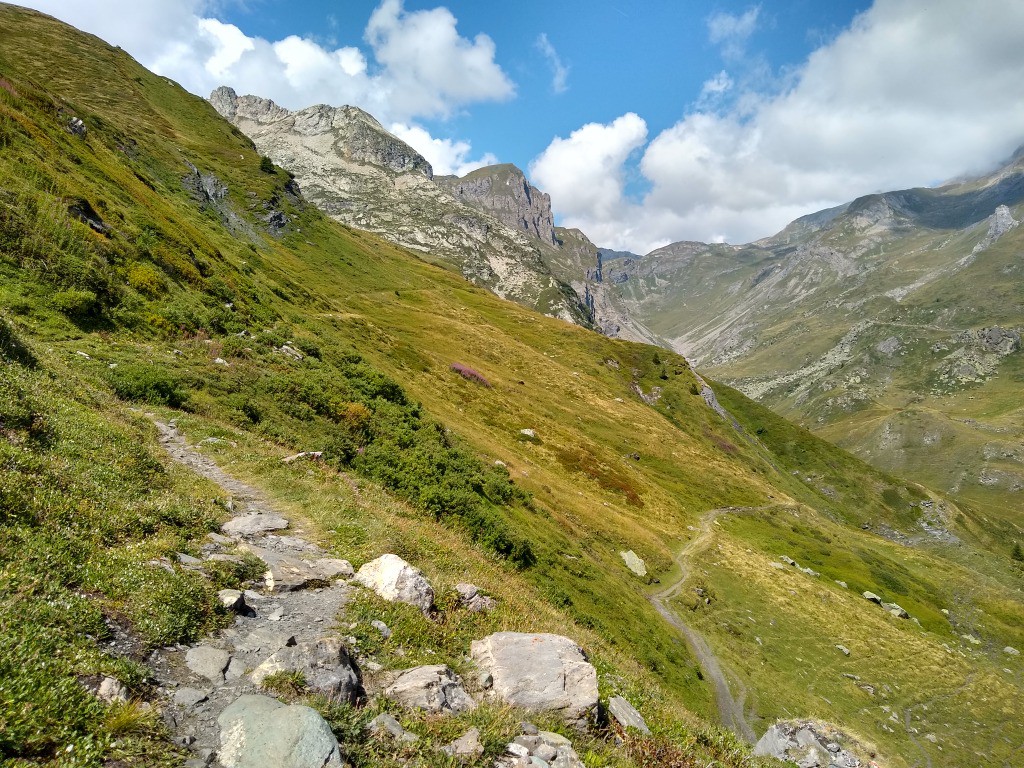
[(559, 72), (421, 66), (909, 95), (732, 31), (447, 157)]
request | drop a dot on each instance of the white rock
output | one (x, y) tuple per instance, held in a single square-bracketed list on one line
[(540, 672), (396, 581), (434, 688)]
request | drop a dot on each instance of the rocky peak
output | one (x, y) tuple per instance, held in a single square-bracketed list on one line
[(357, 135), (504, 192)]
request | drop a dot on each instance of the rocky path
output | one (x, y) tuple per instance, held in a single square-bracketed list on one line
[(730, 708), (288, 625)]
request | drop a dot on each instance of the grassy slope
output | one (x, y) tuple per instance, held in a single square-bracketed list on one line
[(164, 275)]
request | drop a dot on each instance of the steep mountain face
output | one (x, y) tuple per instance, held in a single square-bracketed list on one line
[(890, 324), (504, 192), (361, 175)]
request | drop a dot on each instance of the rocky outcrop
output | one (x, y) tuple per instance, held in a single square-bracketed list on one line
[(434, 688), (361, 175), (809, 744), (257, 731), (534, 748), (504, 192), (324, 664), (540, 672)]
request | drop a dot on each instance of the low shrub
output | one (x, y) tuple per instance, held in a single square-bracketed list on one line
[(149, 384), (469, 374)]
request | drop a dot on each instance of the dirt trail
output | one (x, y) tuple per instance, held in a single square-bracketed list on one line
[(730, 708)]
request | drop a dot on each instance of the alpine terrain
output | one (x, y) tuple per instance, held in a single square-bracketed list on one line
[(285, 479)]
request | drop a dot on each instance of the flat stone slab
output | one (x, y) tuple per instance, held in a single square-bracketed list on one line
[(209, 662), (254, 525), (625, 714), (287, 573), (540, 672)]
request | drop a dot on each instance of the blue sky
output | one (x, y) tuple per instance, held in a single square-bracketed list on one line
[(646, 122)]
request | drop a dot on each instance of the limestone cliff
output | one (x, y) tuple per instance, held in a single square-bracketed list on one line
[(504, 192)]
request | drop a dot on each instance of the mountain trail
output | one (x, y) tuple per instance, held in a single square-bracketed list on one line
[(730, 708)]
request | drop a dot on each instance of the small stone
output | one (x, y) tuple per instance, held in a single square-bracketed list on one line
[(844, 650), (235, 670), (467, 746), (1011, 651), (528, 433), (777, 566), (518, 750), (220, 361), (433, 688), (381, 627), (872, 597), (232, 599), (529, 729), (842, 584), (187, 560), (626, 715), (486, 680), (387, 724), (111, 690), (186, 698), (209, 662)]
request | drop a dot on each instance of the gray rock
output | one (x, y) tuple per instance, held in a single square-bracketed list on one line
[(395, 580), (325, 664), (387, 724), (844, 650), (773, 743), (286, 573), (467, 747), (380, 626), (186, 697), (254, 525), (1011, 651), (434, 688), (257, 732), (787, 560), (872, 597), (188, 560), (539, 672), (634, 562), (625, 714), (265, 639), (208, 662), (472, 600), (895, 610), (331, 567)]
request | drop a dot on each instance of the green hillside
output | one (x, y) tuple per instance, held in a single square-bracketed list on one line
[(149, 262)]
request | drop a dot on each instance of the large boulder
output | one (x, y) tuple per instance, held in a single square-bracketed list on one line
[(433, 688), (395, 580), (257, 731), (539, 672), (325, 664)]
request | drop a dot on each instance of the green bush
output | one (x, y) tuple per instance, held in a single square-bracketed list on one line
[(76, 304), (266, 164), (149, 384)]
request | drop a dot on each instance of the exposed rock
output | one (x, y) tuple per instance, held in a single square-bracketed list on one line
[(844, 650), (872, 597), (381, 627), (634, 562), (1011, 651), (265, 639), (537, 749), (387, 724), (325, 664), (395, 580), (232, 599), (625, 714), (896, 610), (257, 731), (540, 672), (472, 600), (254, 525), (809, 744), (111, 690), (504, 192), (287, 573), (187, 698), (209, 662), (467, 747), (433, 688)]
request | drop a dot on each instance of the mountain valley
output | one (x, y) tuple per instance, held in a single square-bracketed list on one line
[(322, 340)]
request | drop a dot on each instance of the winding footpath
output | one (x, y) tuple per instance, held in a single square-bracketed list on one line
[(730, 708)]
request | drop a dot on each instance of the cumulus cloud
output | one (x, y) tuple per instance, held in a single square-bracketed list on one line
[(448, 157), (908, 95), (559, 72)]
